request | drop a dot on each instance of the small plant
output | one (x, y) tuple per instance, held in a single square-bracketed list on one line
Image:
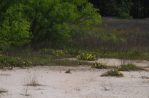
[(85, 55), (114, 73), (58, 53), (129, 67), (99, 66), (34, 83)]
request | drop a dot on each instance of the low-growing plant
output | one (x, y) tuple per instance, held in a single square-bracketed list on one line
[(99, 66), (58, 53), (3, 91), (34, 83), (113, 73), (10, 62), (129, 67), (54, 52), (85, 55)]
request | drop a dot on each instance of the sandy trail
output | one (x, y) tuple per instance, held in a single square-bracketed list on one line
[(83, 82)]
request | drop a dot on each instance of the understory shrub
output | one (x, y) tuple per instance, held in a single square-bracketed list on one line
[(8, 61)]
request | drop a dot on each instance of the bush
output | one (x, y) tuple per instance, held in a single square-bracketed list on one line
[(85, 55), (114, 73), (43, 22), (99, 66), (129, 67), (7, 61)]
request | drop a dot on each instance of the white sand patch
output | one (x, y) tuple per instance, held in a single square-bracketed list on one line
[(83, 82)]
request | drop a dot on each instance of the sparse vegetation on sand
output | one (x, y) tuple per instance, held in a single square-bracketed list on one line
[(129, 67), (10, 62), (34, 83), (86, 55), (99, 66), (113, 73)]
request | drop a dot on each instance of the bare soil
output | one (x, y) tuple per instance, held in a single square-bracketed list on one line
[(82, 82)]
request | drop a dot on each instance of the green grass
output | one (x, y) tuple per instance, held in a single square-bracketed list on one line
[(10, 62), (129, 67), (50, 57)]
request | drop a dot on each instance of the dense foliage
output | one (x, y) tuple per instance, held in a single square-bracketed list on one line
[(123, 8), (44, 22)]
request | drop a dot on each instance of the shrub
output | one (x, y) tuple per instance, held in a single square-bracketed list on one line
[(129, 67), (99, 66), (114, 73), (85, 55), (7, 61)]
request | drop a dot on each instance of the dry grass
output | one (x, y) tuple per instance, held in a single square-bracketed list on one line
[(3, 91), (34, 83)]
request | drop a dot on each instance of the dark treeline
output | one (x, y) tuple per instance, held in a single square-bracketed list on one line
[(123, 8)]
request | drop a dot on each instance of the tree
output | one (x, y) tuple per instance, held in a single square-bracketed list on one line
[(43, 21), (52, 20), (14, 30)]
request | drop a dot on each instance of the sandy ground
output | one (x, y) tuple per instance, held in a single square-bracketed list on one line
[(117, 62), (83, 82)]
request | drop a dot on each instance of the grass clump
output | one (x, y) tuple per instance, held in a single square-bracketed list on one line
[(10, 62), (34, 84), (3, 91), (129, 67), (85, 55), (113, 73), (99, 66)]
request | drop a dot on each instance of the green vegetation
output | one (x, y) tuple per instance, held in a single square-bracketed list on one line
[(114, 73), (99, 66), (10, 62), (86, 55), (129, 67), (38, 32), (43, 22)]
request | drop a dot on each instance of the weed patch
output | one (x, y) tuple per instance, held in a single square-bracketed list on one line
[(10, 62), (85, 55), (99, 66), (34, 83), (113, 73), (129, 67)]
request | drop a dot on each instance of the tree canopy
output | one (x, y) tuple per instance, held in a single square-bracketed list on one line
[(43, 21), (123, 8)]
